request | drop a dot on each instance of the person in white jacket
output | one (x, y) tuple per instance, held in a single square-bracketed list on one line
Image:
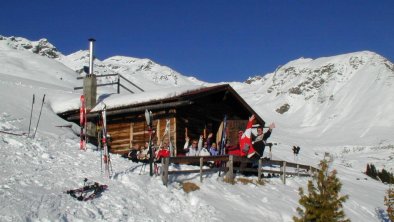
[(204, 149), (194, 149)]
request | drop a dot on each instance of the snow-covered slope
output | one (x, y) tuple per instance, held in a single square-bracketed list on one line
[(144, 73), (40, 47), (35, 172), (327, 98)]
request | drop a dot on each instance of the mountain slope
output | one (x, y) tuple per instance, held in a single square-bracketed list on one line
[(142, 72), (328, 97)]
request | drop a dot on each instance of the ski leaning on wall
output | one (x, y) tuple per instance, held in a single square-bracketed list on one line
[(222, 150), (82, 123), (106, 157), (167, 132), (149, 123)]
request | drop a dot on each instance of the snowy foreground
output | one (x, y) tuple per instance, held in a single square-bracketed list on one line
[(36, 172)]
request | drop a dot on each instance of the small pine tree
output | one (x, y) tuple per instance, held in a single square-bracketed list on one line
[(322, 203), (368, 171), (384, 175), (374, 172), (389, 202)]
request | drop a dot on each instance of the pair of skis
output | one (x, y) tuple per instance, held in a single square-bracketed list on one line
[(31, 115), (104, 141), (87, 192), (149, 123), (83, 123), (167, 132), (222, 150)]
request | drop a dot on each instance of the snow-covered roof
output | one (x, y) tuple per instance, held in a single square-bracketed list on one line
[(114, 101), (158, 99)]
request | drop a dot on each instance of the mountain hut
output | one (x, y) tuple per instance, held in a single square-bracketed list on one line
[(197, 112)]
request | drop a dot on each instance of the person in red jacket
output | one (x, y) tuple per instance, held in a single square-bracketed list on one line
[(245, 142), (163, 152), (259, 141)]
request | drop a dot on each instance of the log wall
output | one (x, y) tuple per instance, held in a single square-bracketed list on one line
[(130, 132)]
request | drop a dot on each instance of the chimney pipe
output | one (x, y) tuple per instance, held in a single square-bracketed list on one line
[(91, 43)]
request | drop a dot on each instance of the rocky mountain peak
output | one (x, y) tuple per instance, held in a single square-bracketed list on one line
[(41, 47), (310, 77)]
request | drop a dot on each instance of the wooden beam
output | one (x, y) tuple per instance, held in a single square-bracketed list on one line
[(158, 132), (164, 174), (131, 134), (230, 165), (201, 165)]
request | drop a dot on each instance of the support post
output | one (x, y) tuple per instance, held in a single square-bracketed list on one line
[(118, 84), (229, 176), (201, 164), (260, 170), (284, 172), (165, 162), (90, 90), (90, 93)]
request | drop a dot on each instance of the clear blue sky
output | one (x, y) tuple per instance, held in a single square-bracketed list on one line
[(213, 40)]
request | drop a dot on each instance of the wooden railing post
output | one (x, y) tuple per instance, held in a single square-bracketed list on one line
[(298, 170), (201, 164), (118, 84), (229, 174), (260, 170), (284, 172), (165, 162)]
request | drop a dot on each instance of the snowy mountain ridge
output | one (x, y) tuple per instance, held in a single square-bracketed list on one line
[(329, 96), (139, 71), (41, 47), (308, 77)]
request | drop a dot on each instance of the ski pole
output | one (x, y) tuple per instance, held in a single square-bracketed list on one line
[(39, 116), (31, 114), (101, 159)]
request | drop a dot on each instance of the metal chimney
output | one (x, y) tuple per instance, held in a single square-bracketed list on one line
[(91, 57)]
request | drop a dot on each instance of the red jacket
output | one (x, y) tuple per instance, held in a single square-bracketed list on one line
[(245, 143), (162, 153)]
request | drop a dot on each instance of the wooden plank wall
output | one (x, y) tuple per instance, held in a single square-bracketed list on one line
[(233, 127), (120, 136), (125, 135)]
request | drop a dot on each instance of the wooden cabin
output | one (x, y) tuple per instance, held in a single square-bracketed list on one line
[(197, 112)]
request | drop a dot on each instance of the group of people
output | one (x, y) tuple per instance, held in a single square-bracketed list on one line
[(201, 147), (141, 153), (250, 145)]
